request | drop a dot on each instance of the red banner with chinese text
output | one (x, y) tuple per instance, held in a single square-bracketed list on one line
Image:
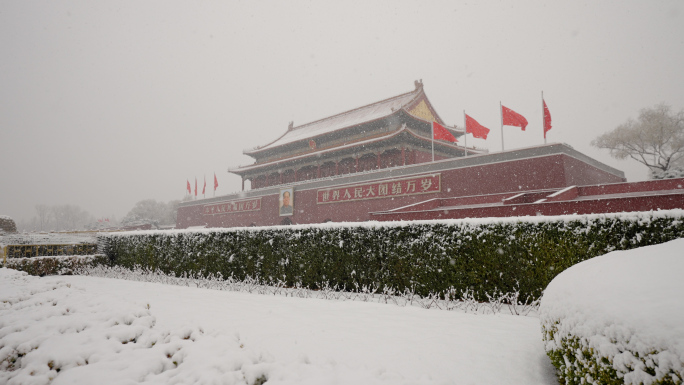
[(386, 189), (233, 207)]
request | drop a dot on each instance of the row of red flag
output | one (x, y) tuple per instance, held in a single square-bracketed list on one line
[(508, 118), (439, 132), (204, 188)]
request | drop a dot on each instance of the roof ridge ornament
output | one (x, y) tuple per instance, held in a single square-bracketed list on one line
[(418, 84), (290, 126)]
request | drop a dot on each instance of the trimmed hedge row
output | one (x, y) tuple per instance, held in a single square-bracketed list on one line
[(27, 251), (61, 265), (483, 255)]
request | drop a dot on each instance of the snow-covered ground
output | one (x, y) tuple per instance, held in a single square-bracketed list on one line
[(86, 330)]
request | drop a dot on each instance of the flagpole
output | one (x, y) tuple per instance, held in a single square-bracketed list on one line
[(465, 140), (501, 112), (433, 140), (543, 118)]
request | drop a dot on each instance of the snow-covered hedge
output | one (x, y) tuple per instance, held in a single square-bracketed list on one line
[(40, 250), (507, 303), (60, 265), (618, 318), (482, 255), (7, 224)]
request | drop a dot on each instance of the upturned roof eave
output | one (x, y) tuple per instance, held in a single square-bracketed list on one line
[(335, 131), (418, 92), (242, 170), (317, 153), (454, 130), (434, 113)]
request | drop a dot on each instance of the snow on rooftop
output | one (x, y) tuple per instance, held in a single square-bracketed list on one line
[(346, 119)]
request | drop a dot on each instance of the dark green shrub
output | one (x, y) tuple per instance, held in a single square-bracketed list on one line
[(484, 255), (62, 265)]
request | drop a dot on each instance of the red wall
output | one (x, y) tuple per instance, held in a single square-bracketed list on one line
[(619, 197), (597, 206), (545, 172)]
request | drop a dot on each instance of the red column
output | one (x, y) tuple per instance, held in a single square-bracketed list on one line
[(356, 166), (378, 160), (318, 172), (280, 177), (337, 168)]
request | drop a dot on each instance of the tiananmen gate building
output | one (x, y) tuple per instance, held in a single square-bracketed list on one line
[(376, 163)]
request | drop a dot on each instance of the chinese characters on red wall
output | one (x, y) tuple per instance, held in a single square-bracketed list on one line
[(386, 189), (233, 206)]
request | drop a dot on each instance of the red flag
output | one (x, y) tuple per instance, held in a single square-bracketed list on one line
[(195, 186), (547, 119), (189, 188), (215, 182), (205, 185), (512, 118), (475, 128), (439, 132), (106, 219)]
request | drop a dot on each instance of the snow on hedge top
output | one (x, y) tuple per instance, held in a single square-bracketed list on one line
[(474, 222), (45, 238), (624, 300)]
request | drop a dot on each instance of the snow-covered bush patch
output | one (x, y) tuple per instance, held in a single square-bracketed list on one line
[(7, 224), (53, 333), (479, 256), (674, 172), (618, 318), (59, 265)]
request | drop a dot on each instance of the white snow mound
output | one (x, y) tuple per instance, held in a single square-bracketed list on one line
[(624, 305)]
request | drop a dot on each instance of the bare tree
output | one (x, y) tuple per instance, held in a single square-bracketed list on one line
[(70, 217), (151, 211), (655, 139), (44, 213)]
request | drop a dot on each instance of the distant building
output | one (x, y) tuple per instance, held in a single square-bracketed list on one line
[(370, 162)]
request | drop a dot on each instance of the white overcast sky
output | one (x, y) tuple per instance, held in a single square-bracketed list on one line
[(106, 103)]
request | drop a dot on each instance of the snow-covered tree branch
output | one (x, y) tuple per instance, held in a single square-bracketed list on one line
[(655, 139)]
